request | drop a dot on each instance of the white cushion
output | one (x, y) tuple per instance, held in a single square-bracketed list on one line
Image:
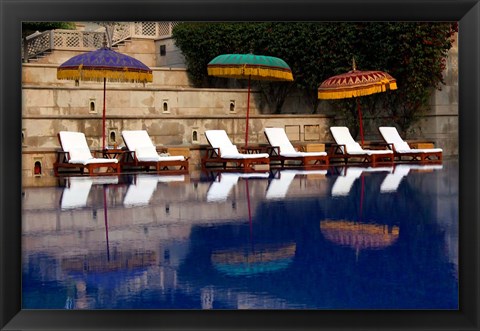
[(277, 137), (370, 152), (228, 150), (172, 158), (99, 160), (219, 139), (421, 151), (391, 136), (342, 136), (241, 156), (147, 153), (136, 139), (76, 145), (303, 154), (80, 154), (70, 139)]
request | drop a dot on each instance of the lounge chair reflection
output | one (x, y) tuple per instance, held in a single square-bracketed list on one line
[(392, 181), (224, 183), (141, 191), (278, 187), (348, 175), (77, 189)]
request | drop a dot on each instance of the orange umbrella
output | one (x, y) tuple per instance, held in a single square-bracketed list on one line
[(356, 83)]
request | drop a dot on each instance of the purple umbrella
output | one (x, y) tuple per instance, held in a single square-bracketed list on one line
[(101, 65)]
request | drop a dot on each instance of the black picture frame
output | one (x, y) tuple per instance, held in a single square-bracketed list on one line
[(13, 12)]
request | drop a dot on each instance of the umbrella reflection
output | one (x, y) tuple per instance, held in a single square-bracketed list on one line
[(358, 235), (251, 258), (98, 263), (77, 190), (244, 261)]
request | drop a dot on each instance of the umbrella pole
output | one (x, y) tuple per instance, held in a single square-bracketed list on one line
[(248, 112), (249, 212), (104, 111), (105, 214), (360, 119), (361, 196)]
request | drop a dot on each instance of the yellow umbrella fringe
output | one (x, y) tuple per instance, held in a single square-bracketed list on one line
[(361, 227), (255, 73), (99, 75), (359, 92)]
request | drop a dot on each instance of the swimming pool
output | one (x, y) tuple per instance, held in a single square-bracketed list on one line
[(342, 238)]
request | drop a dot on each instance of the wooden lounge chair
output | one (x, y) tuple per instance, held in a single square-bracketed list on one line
[(141, 152), (401, 148), (223, 151), (346, 147), (75, 153), (282, 150)]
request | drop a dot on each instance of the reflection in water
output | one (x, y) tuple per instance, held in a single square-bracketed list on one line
[(246, 261), (383, 239), (359, 235)]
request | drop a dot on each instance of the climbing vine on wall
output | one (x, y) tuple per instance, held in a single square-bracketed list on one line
[(413, 52)]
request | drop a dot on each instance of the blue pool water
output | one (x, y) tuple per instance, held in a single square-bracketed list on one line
[(354, 238)]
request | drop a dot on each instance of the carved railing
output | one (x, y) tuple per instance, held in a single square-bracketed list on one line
[(39, 43)]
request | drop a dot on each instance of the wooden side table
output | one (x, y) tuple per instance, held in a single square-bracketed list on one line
[(184, 151), (422, 145), (113, 153), (252, 149), (315, 148)]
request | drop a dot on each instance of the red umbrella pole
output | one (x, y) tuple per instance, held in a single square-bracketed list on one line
[(360, 119), (104, 111), (361, 195), (105, 216), (248, 205), (248, 112)]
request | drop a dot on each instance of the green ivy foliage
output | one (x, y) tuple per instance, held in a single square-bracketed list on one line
[(413, 52), (31, 27)]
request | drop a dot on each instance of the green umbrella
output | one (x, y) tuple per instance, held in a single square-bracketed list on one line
[(250, 66)]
